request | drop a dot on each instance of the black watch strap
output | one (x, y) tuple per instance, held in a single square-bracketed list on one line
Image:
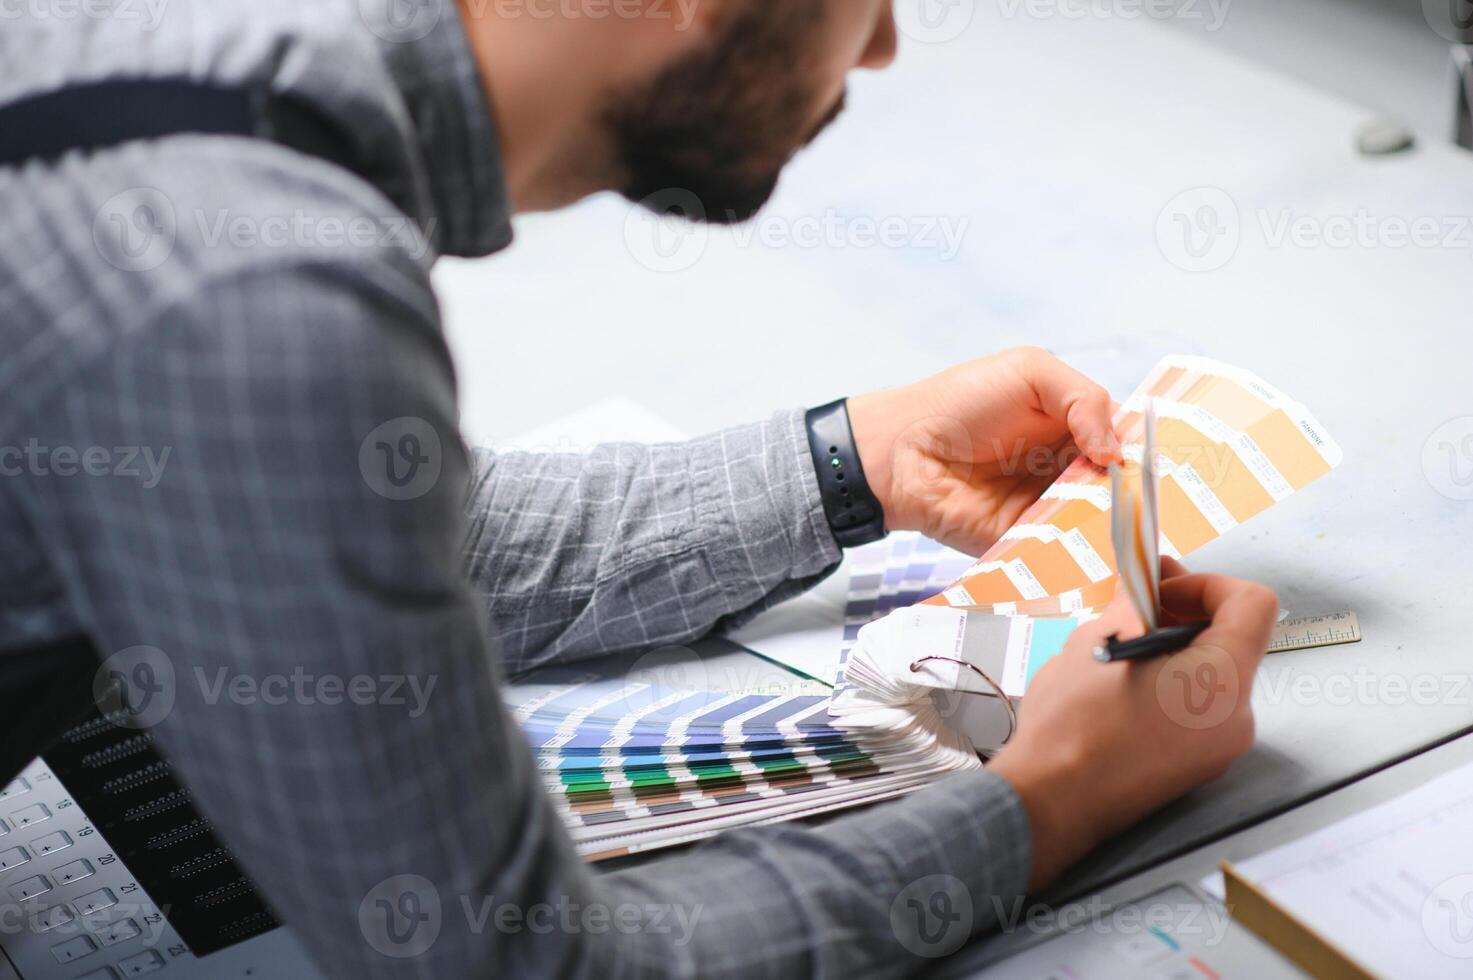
[(854, 512)]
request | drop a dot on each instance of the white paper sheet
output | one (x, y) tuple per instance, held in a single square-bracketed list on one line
[(1391, 886)]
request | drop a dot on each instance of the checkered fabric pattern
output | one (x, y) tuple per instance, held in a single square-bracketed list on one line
[(228, 432)]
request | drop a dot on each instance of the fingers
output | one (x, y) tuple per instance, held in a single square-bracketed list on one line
[(1242, 613), (1202, 596), (1118, 619), (1170, 569), (1082, 405)]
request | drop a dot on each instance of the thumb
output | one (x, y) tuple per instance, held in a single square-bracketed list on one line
[(1080, 403)]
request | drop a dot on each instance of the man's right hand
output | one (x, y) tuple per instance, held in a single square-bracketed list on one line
[(1101, 745)]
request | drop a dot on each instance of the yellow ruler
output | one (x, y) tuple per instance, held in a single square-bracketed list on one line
[(1304, 632)]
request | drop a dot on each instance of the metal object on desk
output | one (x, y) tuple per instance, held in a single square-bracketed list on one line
[(996, 692), (1463, 98)]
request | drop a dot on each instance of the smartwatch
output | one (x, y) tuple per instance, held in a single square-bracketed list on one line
[(854, 512)]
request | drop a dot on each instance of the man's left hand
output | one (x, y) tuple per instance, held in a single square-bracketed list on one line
[(961, 455)]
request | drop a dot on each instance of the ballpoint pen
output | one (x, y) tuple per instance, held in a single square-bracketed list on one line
[(1157, 643)]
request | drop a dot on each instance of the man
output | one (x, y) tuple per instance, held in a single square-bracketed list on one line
[(276, 375)]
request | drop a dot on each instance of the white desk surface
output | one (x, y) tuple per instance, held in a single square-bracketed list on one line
[(1193, 867), (1060, 142)]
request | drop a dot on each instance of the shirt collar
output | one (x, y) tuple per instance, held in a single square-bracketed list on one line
[(464, 207)]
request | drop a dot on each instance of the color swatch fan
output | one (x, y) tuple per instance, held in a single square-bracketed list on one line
[(1226, 447), (634, 765)]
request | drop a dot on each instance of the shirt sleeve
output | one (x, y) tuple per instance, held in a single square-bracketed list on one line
[(297, 561), (635, 546)]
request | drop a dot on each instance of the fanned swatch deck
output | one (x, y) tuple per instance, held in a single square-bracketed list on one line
[(634, 765), (636, 762)]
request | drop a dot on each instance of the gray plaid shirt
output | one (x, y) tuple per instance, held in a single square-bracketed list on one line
[(228, 432)]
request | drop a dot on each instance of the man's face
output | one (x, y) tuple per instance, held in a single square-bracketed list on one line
[(723, 121)]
